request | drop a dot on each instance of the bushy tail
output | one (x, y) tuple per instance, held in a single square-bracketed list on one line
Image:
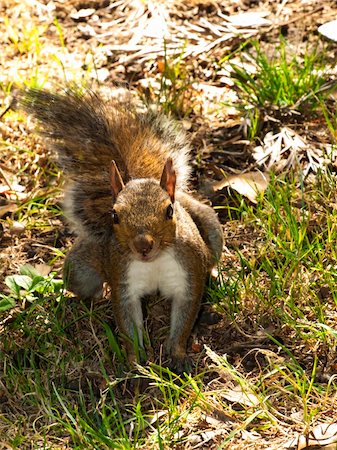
[(87, 133)]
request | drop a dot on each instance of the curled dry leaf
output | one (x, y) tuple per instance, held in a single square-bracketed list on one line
[(249, 184), (322, 436), (250, 435)]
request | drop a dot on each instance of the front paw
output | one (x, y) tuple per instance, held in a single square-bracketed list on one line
[(178, 361), (136, 355), (180, 364)]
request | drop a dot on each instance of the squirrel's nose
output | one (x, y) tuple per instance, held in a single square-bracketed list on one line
[(143, 244)]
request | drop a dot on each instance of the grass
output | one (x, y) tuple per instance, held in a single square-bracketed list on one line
[(267, 370), (281, 80), (281, 83), (77, 384), (295, 236), (173, 93)]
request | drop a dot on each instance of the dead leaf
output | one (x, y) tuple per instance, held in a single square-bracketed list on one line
[(329, 30), (4, 188), (87, 30), (10, 207), (160, 64), (249, 184), (17, 228), (82, 13), (287, 149), (157, 416), (42, 269), (16, 187), (322, 435), (239, 395), (101, 74), (249, 19), (250, 435), (217, 418), (196, 347)]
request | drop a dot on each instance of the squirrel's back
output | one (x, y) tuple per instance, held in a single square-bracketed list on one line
[(88, 132)]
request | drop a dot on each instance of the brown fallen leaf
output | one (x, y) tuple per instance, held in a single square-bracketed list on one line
[(196, 347), (249, 184), (10, 207)]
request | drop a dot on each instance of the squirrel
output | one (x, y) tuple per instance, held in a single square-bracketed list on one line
[(138, 227)]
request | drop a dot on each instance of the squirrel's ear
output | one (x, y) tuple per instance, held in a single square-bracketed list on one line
[(116, 180), (168, 179)]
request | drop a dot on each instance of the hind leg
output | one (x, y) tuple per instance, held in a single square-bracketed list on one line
[(207, 223), (82, 273)]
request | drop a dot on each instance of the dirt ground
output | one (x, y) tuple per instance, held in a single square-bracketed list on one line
[(107, 44)]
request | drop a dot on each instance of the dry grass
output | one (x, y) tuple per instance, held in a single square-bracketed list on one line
[(266, 370)]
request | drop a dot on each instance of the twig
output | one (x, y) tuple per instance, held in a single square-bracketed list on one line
[(295, 19), (6, 110), (2, 173)]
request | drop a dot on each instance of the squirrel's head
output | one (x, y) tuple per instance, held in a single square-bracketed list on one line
[(143, 214)]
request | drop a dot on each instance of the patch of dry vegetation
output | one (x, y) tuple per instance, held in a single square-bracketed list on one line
[(265, 344)]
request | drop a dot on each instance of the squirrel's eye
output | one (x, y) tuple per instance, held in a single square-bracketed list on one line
[(169, 212), (115, 217)]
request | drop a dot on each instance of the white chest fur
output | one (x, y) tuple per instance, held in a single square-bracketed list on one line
[(165, 274)]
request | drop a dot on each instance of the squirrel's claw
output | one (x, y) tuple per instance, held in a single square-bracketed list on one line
[(180, 365)]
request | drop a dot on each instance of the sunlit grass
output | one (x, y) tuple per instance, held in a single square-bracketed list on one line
[(65, 378), (82, 383), (280, 84)]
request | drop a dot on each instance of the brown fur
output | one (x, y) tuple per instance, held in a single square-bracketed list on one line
[(126, 196)]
